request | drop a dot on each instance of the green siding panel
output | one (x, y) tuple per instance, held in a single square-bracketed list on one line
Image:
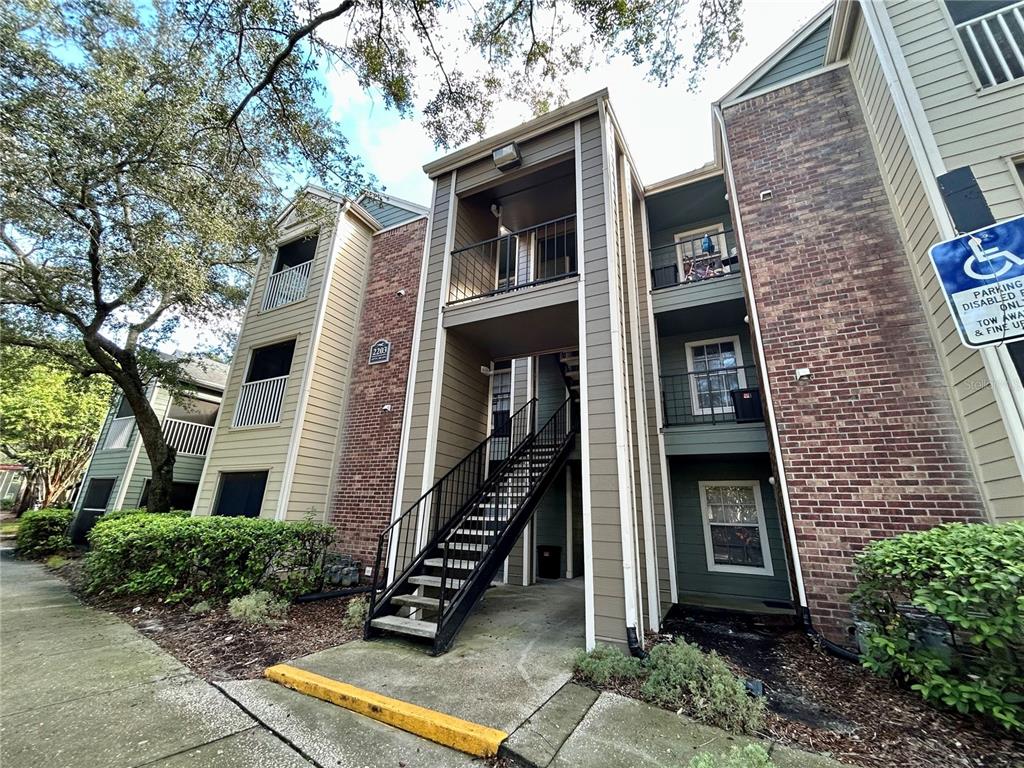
[(387, 214), (691, 559), (807, 56)]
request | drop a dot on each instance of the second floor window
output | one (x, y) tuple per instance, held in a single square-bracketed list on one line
[(992, 33), (262, 394), (288, 281), (120, 430)]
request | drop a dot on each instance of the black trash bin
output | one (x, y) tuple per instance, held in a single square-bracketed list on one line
[(746, 404), (549, 561)]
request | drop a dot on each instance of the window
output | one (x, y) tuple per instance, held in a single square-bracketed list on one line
[(193, 410), (501, 409), (715, 369), (240, 494), (259, 402), (992, 34), (735, 535), (702, 254), (271, 362), (183, 495), (94, 504), (295, 253), (120, 430)]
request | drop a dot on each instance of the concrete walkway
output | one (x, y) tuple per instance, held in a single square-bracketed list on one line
[(79, 687)]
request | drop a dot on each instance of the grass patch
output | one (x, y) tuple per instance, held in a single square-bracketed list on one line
[(677, 676), (9, 527), (56, 561), (750, 756)]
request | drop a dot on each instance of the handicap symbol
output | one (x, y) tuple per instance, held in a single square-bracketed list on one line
[(982, 255)]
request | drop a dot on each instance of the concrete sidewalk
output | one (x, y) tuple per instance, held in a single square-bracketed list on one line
[(79, 687)]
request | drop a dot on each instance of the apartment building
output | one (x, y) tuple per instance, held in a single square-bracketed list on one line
[(313, 399), (118, 472), (713, 389)]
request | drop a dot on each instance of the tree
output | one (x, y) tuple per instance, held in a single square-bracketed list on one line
[(145, 147), (49, 420)]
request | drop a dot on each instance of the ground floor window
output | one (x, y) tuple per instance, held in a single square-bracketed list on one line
[(240, 494), (735, 535), (183, 495), (98, 494)]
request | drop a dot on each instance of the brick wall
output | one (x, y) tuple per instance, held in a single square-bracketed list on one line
[(361, 503), (870, 444)]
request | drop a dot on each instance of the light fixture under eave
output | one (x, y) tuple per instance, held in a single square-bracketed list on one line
[(508, 157)]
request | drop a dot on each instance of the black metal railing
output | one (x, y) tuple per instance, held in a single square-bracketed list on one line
[(398, 545), (712, 397), (694, 260), (540, 254), (502, 501)]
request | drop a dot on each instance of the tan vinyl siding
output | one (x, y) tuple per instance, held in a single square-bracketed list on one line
[(237, 449), (609, 600), (542, 149), (979, 128), (651, 393), (462, 421), (332, 368), (108, 463), (424, 355), (973, 400)]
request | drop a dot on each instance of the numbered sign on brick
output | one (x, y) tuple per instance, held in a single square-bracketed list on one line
[(380, 352)]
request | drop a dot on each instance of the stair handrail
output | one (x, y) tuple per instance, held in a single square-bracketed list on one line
[(561, 416), (479, 457)]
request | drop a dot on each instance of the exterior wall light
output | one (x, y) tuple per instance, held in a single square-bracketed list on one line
[(803, 374), (508, 157)]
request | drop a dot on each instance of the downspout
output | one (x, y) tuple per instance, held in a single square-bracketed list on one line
[(804, 611)]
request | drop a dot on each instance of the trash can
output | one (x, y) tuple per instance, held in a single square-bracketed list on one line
[(746, 404), (549, 561)]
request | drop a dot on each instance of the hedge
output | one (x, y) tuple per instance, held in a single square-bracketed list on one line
[(116, 514), (177, 558), (943, 609), (44, 532)]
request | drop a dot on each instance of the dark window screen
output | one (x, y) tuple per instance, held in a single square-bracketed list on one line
[(98, 493), (240, 494), (183, 495), (271, 362), (294, 253), (965, 10)]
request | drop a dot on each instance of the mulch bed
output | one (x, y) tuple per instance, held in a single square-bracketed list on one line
[(821, 703), (215, 646)]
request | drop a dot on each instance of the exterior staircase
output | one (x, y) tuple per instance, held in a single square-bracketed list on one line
[(469, 520)]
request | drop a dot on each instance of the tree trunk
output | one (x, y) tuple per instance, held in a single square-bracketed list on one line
[(27, 496), (161, 458)]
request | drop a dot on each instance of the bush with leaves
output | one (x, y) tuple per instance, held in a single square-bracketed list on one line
[(960, 583), (117, 514), (677, 676), (748, 756), (355, 613), (683, 676), (260, 608), (44, 532), (177, 558)]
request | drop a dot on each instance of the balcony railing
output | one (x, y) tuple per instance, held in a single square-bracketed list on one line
[(503, 264), (723, 395), (287, 286), (119, 433), (187, 437), (259, 402), (995, 44), (694, 260)]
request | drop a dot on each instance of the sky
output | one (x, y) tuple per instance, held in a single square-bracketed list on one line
[(668, 129)]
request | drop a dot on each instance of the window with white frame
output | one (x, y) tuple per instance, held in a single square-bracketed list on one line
[(992, 34), (715, 368), (735, 535)]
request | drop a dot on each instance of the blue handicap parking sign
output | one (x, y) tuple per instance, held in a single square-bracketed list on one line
[(982, 275)]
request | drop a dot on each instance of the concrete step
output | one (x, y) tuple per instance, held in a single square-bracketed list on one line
[(459, 565), (464, 546), (435, 581), (413, 627), (416, 601)]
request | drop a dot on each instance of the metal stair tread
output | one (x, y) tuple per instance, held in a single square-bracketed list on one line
[(403, 626), (461, 565)]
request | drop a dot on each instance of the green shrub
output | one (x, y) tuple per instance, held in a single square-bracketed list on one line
[(681, 675), (355, 613), (605, 665), (203, 606), (944, 610), (44, 532), (117, 514), (179, 558), (259, 608), (749, 756)]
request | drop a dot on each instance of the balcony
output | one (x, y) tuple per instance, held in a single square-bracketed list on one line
[(723, 395), (994, 41), (187, 437), (694, 260), (119, 433), (515, 261), (287, 286), (259, 402)]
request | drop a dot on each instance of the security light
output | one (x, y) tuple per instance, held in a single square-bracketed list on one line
[(506, 158)]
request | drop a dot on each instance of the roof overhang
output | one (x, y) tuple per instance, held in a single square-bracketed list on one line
[(707, 171), (331, 197), (542, 124), (844, 12), (395, 201)]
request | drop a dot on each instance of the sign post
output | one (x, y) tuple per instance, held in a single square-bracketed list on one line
[(982, 277)]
